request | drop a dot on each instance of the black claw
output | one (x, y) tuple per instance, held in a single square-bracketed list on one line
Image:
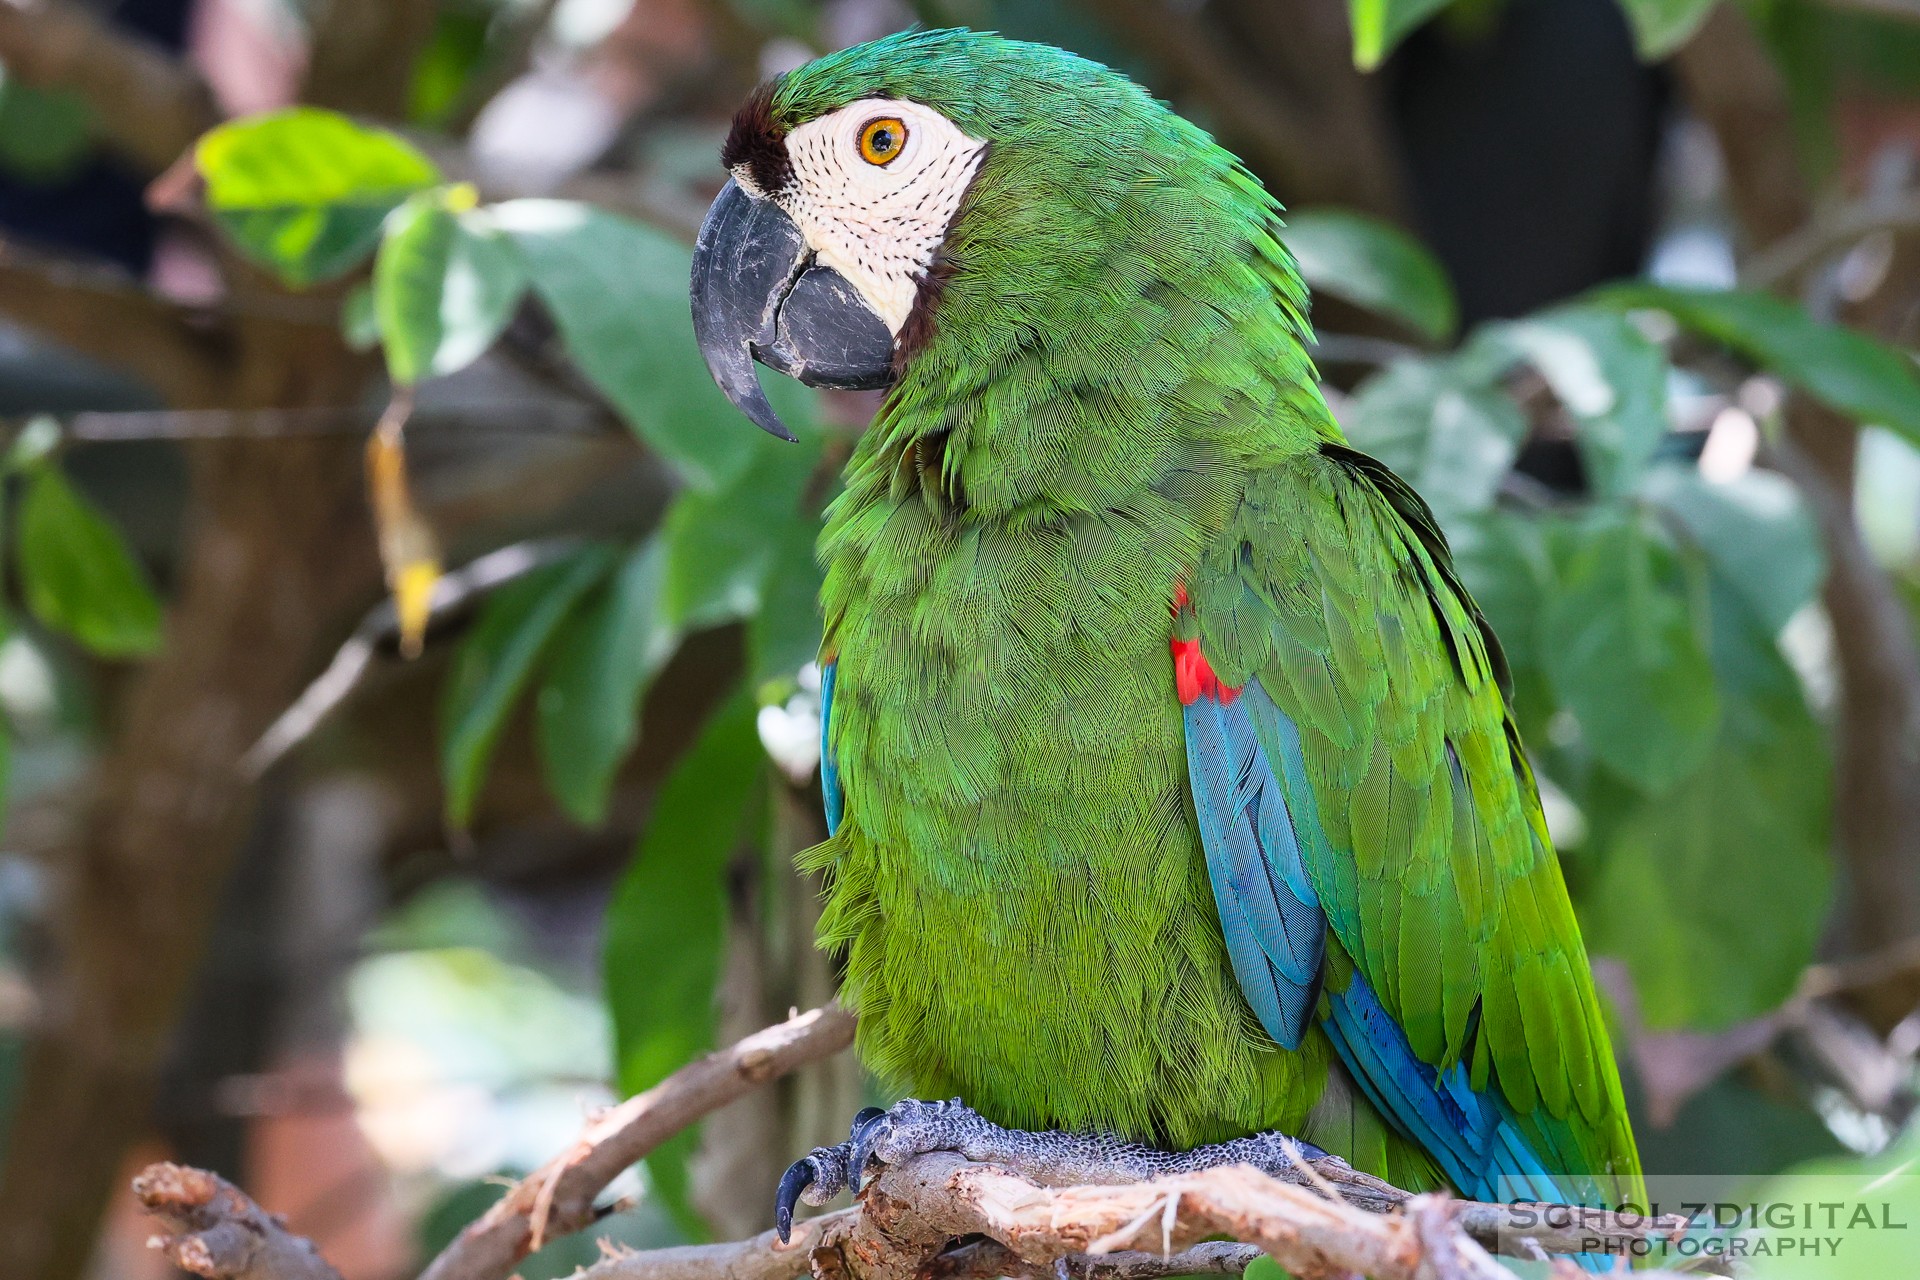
[(797, 1178), (863, 1117), (865, 1134)]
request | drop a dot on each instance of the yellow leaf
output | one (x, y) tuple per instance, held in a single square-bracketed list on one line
[(409, 551)]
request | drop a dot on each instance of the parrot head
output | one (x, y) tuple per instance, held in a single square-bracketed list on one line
[(879, 191)]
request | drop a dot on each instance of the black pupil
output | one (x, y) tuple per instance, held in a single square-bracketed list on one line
[(883, 140)]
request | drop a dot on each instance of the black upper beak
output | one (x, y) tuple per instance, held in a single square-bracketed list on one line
[(759, 295)]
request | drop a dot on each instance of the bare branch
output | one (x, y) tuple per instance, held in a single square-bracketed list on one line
[(1736, 88), (362, 55), (1781, 263), (149, 105), (214, 1231), (1296, 107), (762, 1257), (1904, 10), (380, 626), (912, 1213), (106, 314), (1877, 796), (939, 1216), (558, 1198)]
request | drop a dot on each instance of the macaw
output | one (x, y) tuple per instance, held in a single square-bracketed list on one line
[(1176, 799)]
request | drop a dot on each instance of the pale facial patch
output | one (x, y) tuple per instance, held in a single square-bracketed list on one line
[(877, 225)]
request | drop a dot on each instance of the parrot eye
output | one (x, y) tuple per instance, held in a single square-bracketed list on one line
[(881, 139)]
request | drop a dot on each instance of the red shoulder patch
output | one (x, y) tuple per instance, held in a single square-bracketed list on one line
[(1193, 675)]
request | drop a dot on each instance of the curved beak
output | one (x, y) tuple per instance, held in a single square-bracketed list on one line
[(758, 294)]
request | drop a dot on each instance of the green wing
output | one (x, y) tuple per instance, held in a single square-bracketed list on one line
[(1421, 826)]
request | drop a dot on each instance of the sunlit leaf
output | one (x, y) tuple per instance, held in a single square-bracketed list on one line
[(1375, 265), (618, 291), (444, 285), (603, 659), (1622, 639), (78, 575), (666, 926), (303, 191), (1757, 534), (1662, 26), (1445, 425), (1379, 25), (1844, 368), (1609, 377), (496, 661)]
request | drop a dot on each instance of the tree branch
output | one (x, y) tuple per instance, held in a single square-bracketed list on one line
[(558, 1198), (1734, 85), (1313, 127), (105, 314), (912, 1213), (214, 1231), (147, 104), (1738, 91), (1324, 1218)]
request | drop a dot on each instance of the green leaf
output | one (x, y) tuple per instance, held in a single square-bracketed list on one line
[(444, 286), (359, 322), (45, 134), (784, 632), (618, 291), (455, 52), (303, 191), (1843, 368), (1716, 892), (1757, 534), (1662, 26), (1375, 265), (666, 925), (1622, 641), (723, 546), (77, 574), (1609, 377), (1503, 558), (603, 659), (496, 660), (1379, 25), (1445, 425), (1867, 1208)]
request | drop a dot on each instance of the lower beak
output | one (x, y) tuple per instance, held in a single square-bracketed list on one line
[(758, 294)]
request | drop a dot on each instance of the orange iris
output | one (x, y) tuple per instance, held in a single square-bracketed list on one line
[(881, 139)]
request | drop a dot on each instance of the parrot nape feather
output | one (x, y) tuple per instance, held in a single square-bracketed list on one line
[(1173, 789)]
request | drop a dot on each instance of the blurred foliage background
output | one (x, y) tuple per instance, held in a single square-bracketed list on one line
[(408, 713)]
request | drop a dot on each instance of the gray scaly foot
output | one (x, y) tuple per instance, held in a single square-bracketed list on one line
[(912, 1128)]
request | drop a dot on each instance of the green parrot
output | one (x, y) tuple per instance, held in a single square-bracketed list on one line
[(1175, 796)]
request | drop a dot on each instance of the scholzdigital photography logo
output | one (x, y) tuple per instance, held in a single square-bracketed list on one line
[(1806, 1224)]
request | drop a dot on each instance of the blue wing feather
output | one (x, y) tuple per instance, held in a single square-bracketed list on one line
[(1275, 932), (1260, 827), (833, 801)]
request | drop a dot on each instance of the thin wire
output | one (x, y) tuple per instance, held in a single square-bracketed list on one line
[(517, 417)]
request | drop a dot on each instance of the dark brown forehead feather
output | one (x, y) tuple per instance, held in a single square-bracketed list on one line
[(758, 141)]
